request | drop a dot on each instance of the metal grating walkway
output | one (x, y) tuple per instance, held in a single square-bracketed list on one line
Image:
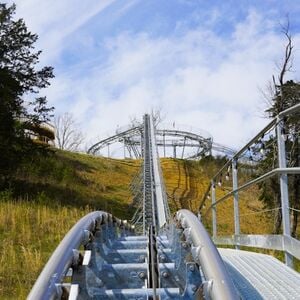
[(261, 276)]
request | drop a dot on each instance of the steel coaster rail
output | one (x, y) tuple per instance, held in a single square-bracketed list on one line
[(96, 147), (289, 111), (220, 285), (161, 212), (149, 217), (154, 209), (66, 254), (131, 136), (155, 206), (282, 170)]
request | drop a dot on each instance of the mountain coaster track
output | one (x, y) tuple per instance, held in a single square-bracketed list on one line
[(103, 257)]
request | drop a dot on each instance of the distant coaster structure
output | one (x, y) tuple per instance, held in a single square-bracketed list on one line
[(177, 141)]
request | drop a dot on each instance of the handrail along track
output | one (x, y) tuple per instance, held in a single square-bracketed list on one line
[(285, 242)]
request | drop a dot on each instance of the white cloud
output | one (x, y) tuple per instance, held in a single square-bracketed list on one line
[(53, 21), (177, 73), (199, 77)]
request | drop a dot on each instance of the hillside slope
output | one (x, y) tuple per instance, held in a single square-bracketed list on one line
[(52, 194), (78, 180), (48, 198), (187, 181)]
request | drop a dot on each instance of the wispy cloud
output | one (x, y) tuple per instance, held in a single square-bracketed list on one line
[(198, 78), (54, 21), (203, 66)]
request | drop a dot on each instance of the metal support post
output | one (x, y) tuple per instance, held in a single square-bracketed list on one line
[(164, 137), (284, 193), (124, 149), (214, 212), (183, 147), (235, 197)]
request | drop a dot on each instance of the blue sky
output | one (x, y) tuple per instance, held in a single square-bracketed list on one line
[(202, 63)]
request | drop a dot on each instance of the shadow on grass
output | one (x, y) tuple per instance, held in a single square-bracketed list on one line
[(51, 194), (74, 163), (54, 195)]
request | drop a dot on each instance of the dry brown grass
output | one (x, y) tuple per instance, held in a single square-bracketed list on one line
[(79, 179), (29, 234), (30, 231), (186, 182), (69, 186)]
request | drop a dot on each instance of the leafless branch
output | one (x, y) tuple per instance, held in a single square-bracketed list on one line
[(157, 115), (67, 134), (287, 63)]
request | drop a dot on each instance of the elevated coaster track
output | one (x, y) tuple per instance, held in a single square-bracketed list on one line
[(103, 257), (180, 139)]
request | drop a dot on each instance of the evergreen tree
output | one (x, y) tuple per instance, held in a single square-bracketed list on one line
[(19, 79)]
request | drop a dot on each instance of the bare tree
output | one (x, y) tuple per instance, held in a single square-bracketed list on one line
[(287, 63), (67, 133), (157, 115), (283, 66), (133, 121), (284, 94)]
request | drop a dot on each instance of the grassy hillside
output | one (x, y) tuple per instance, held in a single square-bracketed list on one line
[(78, 179), (50, 195), (187, 181), (29, 233)]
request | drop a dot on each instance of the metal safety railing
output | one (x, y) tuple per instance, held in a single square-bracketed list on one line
[(283, 242), (66, 255)]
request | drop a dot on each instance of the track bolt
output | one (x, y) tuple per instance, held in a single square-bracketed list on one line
[(162, 257), (192, 268), (142, 258), (142, 275), (194, 289), (100, 283), (184, 245), (165, 274)]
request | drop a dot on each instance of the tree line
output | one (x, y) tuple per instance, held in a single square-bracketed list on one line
[(23, 110), (21, 106)]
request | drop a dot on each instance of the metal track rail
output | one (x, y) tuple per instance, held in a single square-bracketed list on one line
[(66, 254), (155, 205), (153, 262), (149, 211), (121, 265), (161, 205), (122, 135), (206, 253)]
